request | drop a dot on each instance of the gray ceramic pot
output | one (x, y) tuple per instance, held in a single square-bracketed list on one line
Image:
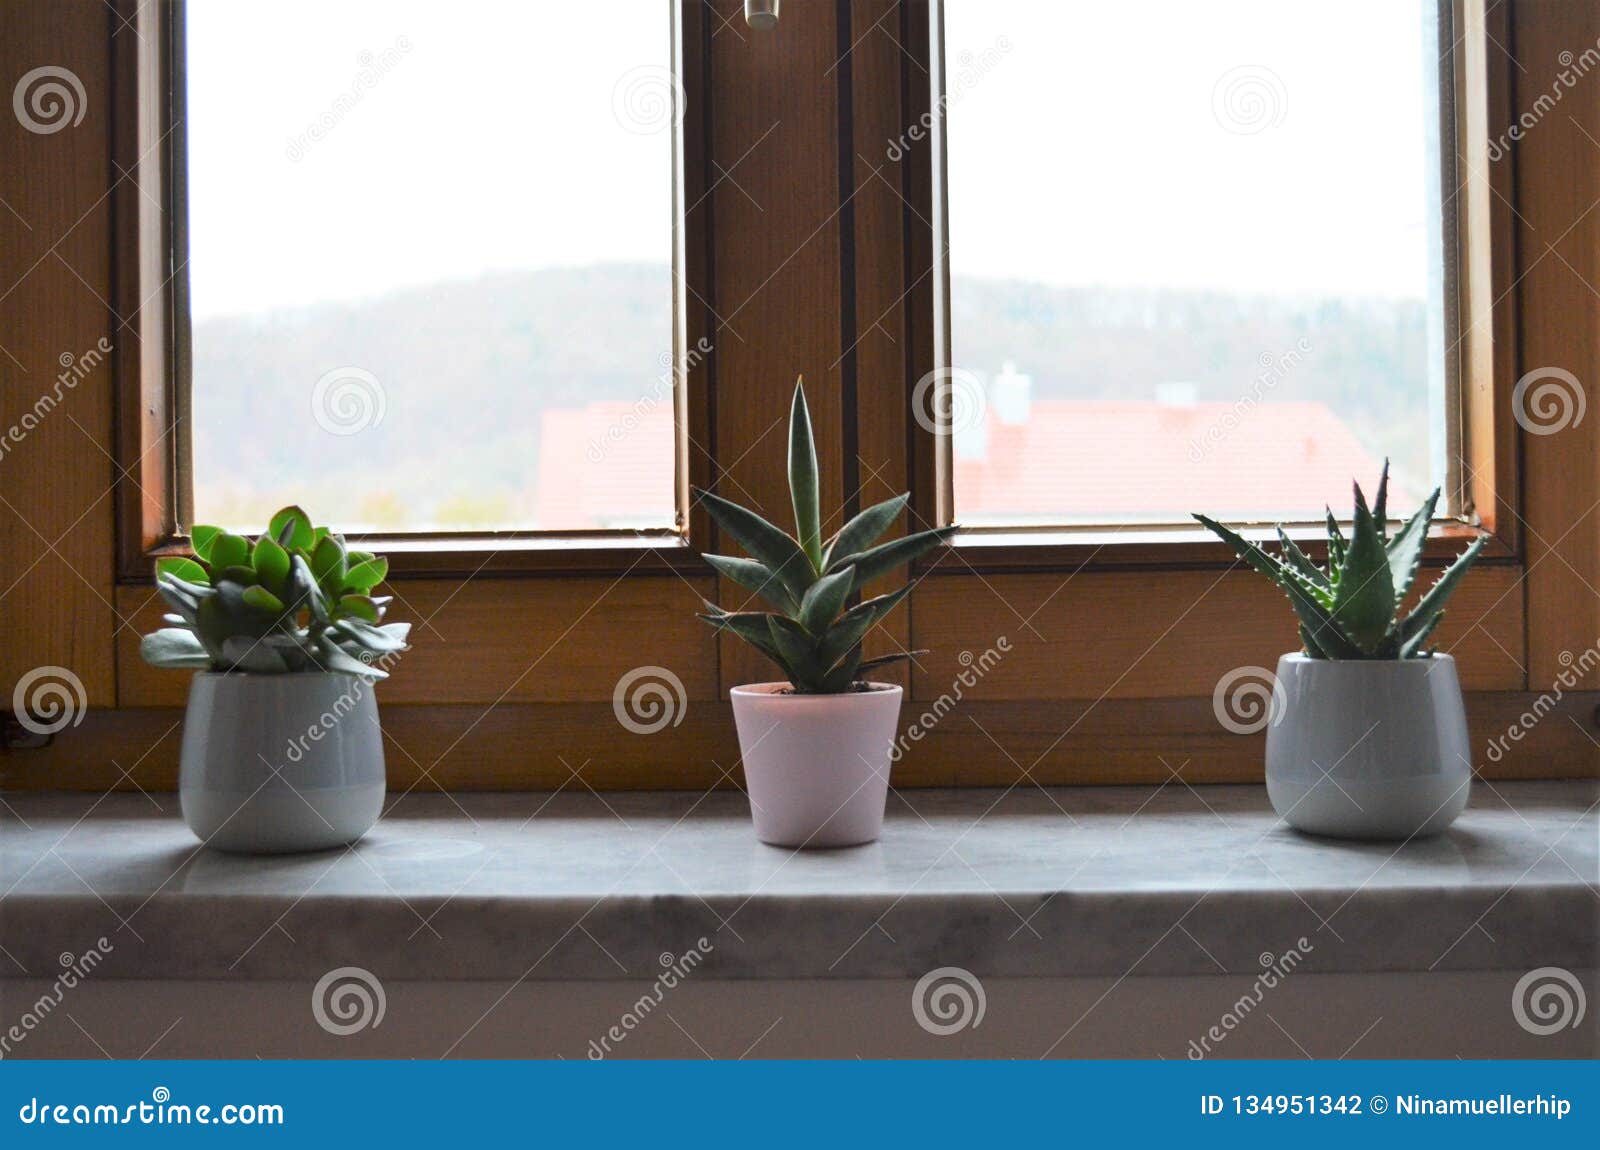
[(1369, 749), (275, 763)]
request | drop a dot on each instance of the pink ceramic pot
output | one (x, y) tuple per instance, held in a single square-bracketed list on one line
[(817, 766)]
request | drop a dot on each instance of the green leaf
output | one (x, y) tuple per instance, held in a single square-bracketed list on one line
[(825, 599), (765, 543), (853, 625), (757, 577), (886, 660), (229, 550), (201, 538), (260, 599), (174, 647), (328, 565), (244, 653), (1380, 506), (798, 650), (886, 557), (1412, 647), (1300, 561), (861, 531), (272, 565), (361, 606), (185, 569), (1422, 619), (1336, 545), (367, 575), (751, 626), (1306, 597), (291, 527), (1363, 605), (1405, 549), (803, 485)]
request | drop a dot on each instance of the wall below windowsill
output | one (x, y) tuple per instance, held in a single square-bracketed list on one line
[(1027, 883)]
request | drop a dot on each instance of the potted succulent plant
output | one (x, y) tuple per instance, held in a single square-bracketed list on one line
[(816, 745), (1368, 737), (281, 745)]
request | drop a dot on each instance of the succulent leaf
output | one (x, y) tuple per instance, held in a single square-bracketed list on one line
[(260, 608), (200, 539), (803, 483), (765, 543), (824, 600), (860, 532), (753, 576), (886, 557), (1363, 605), (292, 528), (1351, 609), (813, 636)]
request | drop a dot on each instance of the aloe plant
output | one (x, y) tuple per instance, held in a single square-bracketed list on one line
[(815, 633), (295, 599), (1351, 609)]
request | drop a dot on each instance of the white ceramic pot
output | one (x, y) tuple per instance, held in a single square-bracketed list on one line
[(275, 763), (816, 766), (1369, 749)]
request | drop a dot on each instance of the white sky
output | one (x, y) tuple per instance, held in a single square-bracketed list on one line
[(1089, 153), (490, 144)]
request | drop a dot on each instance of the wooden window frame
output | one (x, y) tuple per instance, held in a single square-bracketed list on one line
[(1481, 326), (808, 255), (151, 248)]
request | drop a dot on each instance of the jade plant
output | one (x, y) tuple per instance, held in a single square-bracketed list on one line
[(295, 599), (1352, 608), (815, 631)]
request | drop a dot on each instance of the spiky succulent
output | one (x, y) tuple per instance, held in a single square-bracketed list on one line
[(1351, 609), (294, 600), (814, 635)]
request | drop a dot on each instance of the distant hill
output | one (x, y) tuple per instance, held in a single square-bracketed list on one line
[(465, 371)]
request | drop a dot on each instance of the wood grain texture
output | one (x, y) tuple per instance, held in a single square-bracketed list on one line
[(56, 512), (1153, 634), (553, 746), (775, 145), (882, 386), (1558, 182), (489, 641)]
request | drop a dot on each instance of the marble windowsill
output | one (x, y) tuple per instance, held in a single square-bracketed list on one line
[(1066, 882)]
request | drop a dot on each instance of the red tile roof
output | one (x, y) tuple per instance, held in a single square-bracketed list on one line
[(611, 464)]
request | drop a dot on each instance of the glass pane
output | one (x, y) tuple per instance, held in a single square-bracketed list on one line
[(430, 263), (1193, 270)]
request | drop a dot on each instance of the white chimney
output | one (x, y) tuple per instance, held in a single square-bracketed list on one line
[(1011, 395)]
